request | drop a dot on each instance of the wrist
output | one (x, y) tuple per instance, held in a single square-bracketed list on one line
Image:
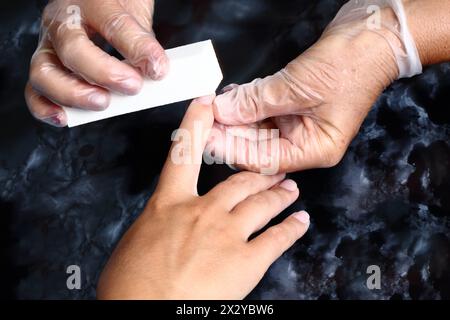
[(429, 23), (381, 36), (380, 57)]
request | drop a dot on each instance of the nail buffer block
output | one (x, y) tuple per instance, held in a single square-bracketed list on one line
[(194, 72)]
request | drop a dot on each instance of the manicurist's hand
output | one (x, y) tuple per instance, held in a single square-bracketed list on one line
[(69, 69), (319, 101), (185, 246)]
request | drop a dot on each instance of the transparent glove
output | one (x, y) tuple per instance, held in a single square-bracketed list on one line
[(69, 69), (319, 101)]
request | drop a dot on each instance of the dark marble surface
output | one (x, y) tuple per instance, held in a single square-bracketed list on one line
[(66, 196)]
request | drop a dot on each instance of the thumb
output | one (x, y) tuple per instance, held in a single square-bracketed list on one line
[(261, 99), (131, 37), (143, 11)]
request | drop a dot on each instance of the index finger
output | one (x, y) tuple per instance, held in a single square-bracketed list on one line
[(182, 167)]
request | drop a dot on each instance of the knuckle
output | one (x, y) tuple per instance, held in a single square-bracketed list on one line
[(261, 200), (246, 178), (32, 102), (68, 47), (45, 12), (72, 97), (156, 204), (29, 95), (65, 49), (197, 209), (148, 46), (281, 196), (37, 66), (48, 14), (105, 78), (295, 227), (222, 230), (35, 73), (281, 235), (116, 23)]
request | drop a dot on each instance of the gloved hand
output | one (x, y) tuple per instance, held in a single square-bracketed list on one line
[(319, 101), (69, 69)]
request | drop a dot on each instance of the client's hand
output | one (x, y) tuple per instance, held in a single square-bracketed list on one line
[(186, 246)]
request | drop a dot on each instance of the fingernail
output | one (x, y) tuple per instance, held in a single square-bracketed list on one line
[(289, 185), (160, 70), (280, 176), (229, 87), (132, 85), (99, 100), (160, 67), (302, 216), (205, 100), (56, 120)]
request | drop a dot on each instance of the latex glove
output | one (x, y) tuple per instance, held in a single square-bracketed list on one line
[(188, 247), (69, 69), (319, 100)]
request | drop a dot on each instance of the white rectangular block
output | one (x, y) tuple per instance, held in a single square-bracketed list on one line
[(194, 72)]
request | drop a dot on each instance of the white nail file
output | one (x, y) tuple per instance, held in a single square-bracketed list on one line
[(194, 72)]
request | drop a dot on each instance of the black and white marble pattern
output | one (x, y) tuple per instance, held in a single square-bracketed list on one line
[(66, 196)]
